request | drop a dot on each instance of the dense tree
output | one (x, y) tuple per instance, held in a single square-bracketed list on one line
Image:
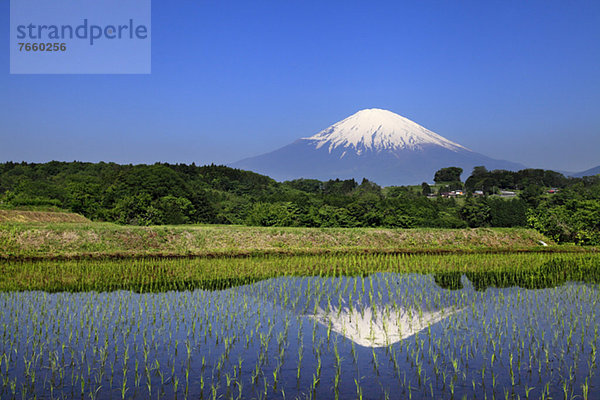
[(476, 213), (532, 194), (491, 181), (450, 174), (507, 212), (572, 215), (306, 185), (175, 210), (137, 210), (339, 187), (425, 189), (177, 193)]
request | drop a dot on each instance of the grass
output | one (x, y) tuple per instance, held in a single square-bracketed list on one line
[(31, 240), (40, 216), (157, 274)]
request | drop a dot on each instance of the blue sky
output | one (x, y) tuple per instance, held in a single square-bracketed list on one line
[(230, 79)]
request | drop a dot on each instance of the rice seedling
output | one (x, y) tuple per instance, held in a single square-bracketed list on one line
[(482, 325)]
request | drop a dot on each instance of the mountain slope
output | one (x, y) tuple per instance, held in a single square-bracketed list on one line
[(587, 172), (375, 144)]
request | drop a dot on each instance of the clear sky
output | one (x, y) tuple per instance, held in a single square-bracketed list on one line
[(516, 80)]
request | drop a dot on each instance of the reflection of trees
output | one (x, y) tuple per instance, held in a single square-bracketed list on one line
[(550, 274), (449, 280)]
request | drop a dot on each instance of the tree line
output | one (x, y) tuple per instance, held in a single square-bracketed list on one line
[(165, 193)]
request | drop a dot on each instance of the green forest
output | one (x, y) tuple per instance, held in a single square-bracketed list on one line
[(565, 209)]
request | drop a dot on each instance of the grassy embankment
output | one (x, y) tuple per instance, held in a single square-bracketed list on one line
[(39, 235)]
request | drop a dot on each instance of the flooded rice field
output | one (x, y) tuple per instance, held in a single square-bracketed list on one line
[(385, 335)]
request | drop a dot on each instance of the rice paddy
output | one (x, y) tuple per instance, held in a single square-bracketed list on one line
[(329, 326)]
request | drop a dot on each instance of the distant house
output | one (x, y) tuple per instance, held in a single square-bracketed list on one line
[(478, 193), (453, 193), (553, 190), (507, 193)]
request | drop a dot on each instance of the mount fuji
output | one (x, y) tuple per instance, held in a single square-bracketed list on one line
[(376, 144)]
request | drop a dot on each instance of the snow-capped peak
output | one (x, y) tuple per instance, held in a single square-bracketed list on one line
[(379, 130)]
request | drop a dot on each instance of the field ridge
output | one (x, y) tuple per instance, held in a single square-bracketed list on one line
[(36, 241), (35, 216)]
